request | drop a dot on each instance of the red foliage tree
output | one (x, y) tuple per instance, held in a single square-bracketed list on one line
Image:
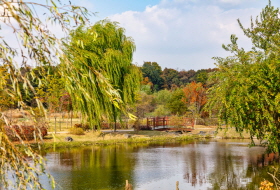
[(28, 132), (194, 97)]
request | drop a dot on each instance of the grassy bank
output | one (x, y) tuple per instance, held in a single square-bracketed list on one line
[(222, 133), (107, 138)]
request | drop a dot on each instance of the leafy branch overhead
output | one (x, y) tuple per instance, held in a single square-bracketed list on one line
[(34, 44), (101, 80)]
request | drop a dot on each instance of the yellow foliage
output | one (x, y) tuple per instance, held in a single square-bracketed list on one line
[(76, 131), (266, 185)]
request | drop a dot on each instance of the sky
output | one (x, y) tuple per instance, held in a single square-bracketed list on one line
[(179, 34)]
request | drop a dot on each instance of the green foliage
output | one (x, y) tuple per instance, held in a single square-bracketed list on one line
[(101, 78), (171, 78), (161, 110), (6, 101), (162, 96), (50, 88), (175, 103), (145, 104), (153, 71), (146, 89), (201, 76), (246, 93)]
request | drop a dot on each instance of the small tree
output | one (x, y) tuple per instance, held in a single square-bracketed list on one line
[(175, 103), (247, 87), (144, 105), (161, 99), (194, 97)]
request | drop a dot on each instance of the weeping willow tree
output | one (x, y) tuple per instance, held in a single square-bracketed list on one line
[(27, 40), (100, 71)]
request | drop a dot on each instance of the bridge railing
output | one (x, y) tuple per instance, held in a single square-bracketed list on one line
[(166, 121)]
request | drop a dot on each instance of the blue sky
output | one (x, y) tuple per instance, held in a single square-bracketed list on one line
[(110, 7)]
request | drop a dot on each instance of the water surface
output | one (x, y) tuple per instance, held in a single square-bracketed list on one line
[(224, 164)]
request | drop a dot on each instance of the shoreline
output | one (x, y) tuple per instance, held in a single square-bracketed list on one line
[(108, 137), (46, 145), (57, 141)]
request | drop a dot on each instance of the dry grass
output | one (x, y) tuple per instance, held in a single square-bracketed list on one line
[(54, 141), (207, 129), (98, 135), (231, 134), (221, 133)]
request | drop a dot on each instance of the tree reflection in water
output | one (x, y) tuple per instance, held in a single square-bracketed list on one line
[(197, 165), (92, 168), (228, 167)]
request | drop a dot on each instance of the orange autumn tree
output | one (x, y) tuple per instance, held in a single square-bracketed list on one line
[(146, 81), (194, 97)]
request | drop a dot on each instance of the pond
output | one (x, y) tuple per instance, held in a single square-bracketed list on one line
[(220, 164)]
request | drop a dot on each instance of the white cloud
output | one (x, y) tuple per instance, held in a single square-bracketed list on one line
[(231, 1), (182, 33)]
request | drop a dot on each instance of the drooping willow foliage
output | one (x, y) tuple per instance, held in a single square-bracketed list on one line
[(101, 59), (246, 90), (27, 40), (99, 84)]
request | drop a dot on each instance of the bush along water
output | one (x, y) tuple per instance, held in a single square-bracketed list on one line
[(25, 132), (76, 131)]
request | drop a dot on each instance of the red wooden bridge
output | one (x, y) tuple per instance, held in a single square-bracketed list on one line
[(165, 121)]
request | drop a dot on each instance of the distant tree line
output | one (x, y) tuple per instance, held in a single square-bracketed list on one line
[(169, 79)]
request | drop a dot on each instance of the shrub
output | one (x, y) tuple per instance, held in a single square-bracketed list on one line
[(105, 125), (84, 127), (76, 131), (207, 121), (200, 121), (24, 132), (142, 127), (145, 127), (176, 121), (212, 121)]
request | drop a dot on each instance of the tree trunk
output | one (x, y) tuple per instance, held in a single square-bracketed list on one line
[(115, 127)]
